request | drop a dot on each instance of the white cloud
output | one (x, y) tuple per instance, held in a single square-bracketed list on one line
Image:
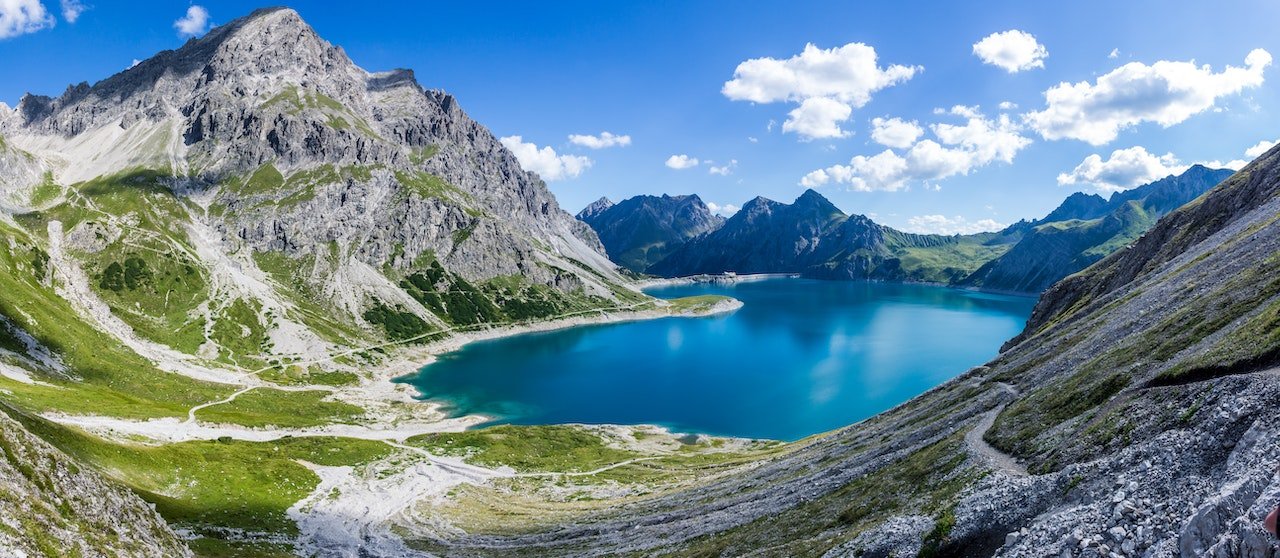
[(1234, 164), (1008, 105), (1012, 50), (1125, 169), (723, 170), (828, 84), (753, 139), (958, 149), (1115, 53), (1261, 147), (1166, 93), (987, 140), (545, 162), (818, 118), (195, 23), (941, 224), (134, 63), (71, 10), (19, 17), (725, 210), (895, 132), (605, 139), (848, 73), (681, 162)]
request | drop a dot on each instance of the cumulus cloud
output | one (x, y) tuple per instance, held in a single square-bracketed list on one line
[(544, 161), (1260, 148), (19, 17), (818, 118), (681, 162), (605, 139), (941, 224), (194, 24), (1115, 53), (723, 170), (828, 84), (71, 10), (1166, 93), (1125, 169), (1008, 105), (725, 210), (895, 132), (955, 149), (1012, 50)]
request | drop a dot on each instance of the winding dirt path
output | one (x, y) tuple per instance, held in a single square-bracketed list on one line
[(986, 452)]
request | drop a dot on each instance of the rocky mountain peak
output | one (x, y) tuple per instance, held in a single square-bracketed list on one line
[(273, 43), (594, 209), (756, 205), (812, 201), (1078, 206)]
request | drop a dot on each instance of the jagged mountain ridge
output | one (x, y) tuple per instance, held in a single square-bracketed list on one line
[(814, 238), (642, 230)]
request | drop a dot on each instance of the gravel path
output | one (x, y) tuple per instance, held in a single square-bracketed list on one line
[(986, 452)]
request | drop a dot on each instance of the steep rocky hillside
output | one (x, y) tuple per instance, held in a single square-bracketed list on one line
[(642, 230), (1136, 417), (51, 507)]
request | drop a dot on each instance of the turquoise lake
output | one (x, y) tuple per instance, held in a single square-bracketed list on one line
[(800, 357)]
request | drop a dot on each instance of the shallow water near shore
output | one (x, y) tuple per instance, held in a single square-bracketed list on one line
[(799, 358)]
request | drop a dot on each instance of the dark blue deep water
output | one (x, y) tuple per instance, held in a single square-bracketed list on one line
[(801, 357)]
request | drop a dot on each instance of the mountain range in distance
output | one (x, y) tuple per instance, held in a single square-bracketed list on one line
[(673, 236)]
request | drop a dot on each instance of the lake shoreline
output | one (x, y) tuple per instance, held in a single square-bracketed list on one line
[(486, 381), (428, 354)]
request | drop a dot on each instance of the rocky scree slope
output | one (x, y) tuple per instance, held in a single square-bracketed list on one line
[(1139, 409), (643, 230)]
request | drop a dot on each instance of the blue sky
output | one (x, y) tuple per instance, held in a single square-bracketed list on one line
[(657, 72)]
